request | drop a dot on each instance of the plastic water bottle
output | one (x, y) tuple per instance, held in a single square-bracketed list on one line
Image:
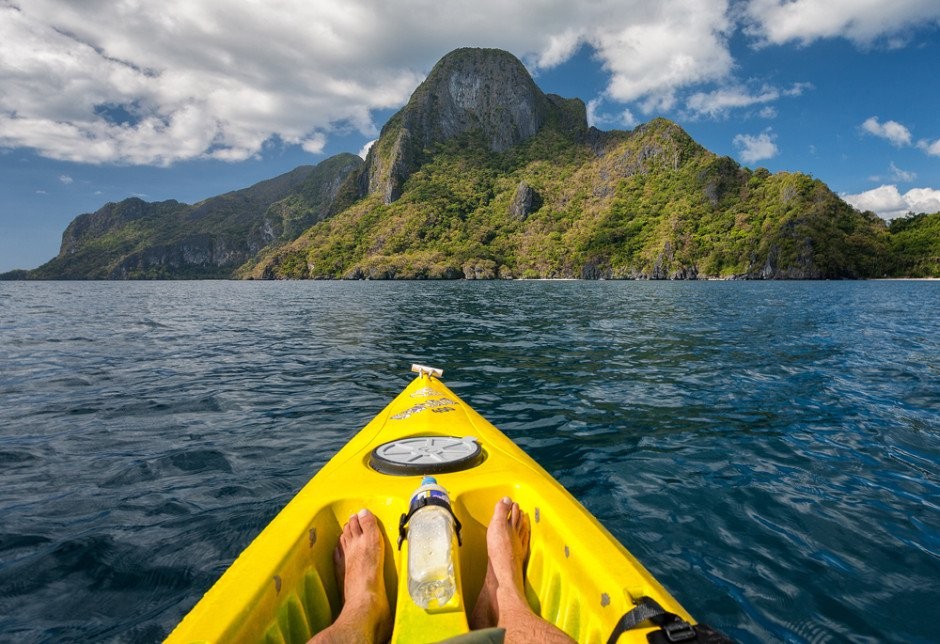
[(431, 580)]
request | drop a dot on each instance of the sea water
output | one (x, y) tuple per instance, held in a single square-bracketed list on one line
[(769, 451)]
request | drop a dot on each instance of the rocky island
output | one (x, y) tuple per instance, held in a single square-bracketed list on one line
[(482, 175)]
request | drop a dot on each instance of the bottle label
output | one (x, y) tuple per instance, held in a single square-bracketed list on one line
[(429, 494)]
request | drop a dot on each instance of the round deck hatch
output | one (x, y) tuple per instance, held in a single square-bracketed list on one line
[(427, 455)]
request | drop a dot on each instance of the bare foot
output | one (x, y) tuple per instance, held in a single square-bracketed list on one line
[(507, 543), (359, 559), (507, 539)]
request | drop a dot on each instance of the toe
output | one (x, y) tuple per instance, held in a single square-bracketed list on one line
[(515, 515), (502, 509), (355, 528), (367, 521)]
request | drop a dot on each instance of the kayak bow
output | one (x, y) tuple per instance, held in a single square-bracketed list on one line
[(282, 588)]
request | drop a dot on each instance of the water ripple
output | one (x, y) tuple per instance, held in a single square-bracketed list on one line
[(769, 451)]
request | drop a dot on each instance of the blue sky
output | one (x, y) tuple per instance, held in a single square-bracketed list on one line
[(187, 99)]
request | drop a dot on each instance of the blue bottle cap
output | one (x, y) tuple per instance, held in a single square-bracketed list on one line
[(429, 480)]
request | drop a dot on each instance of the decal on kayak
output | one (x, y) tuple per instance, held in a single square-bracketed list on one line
[(438, 405)]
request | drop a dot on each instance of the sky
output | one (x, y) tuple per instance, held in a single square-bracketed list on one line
[(101, 100)]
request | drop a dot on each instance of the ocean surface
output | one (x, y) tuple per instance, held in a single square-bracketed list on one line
[(770, 451)]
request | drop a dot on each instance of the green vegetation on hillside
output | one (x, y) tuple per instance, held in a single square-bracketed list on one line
[(134, 239), (95, 244), (481, 175), (915, 245), (654, 205)]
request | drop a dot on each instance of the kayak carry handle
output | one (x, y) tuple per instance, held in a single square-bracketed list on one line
[(427, 371)]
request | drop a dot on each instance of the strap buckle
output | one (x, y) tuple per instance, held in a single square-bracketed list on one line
[(679, 631), (672, 627)]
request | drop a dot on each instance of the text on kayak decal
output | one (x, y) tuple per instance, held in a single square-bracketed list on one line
[(438, 405)]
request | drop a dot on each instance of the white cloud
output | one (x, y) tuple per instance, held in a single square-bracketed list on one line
[(797, 89), (899, 136), (892, 131), (720, 101), (923, 199), (897, 174), (628, 120), (365, 149), (933, 149), (156, 83), (889, 203), (864, 22), (560, 48), (314, 143), (885, 200), (756, 148), (663, 46), (603, 120), (65, 179)]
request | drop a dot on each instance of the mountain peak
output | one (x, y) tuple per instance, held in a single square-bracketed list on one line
[(484, 91)]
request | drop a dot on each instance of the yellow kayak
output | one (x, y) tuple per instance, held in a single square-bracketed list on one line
[(282, 588)]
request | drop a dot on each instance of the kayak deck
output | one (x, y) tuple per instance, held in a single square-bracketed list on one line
[(282, 588)]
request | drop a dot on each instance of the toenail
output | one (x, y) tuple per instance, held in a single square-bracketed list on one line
[(507, 500), (364, 512)]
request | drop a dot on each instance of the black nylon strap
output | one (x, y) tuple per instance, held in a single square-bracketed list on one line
[(645, 609), (417, 505), (674, 627)]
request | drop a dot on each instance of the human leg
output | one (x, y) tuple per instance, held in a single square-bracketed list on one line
[(485, 614)]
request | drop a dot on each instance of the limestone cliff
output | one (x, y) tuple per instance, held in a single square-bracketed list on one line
[(134, 239), (487, 92), (311, 202)]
